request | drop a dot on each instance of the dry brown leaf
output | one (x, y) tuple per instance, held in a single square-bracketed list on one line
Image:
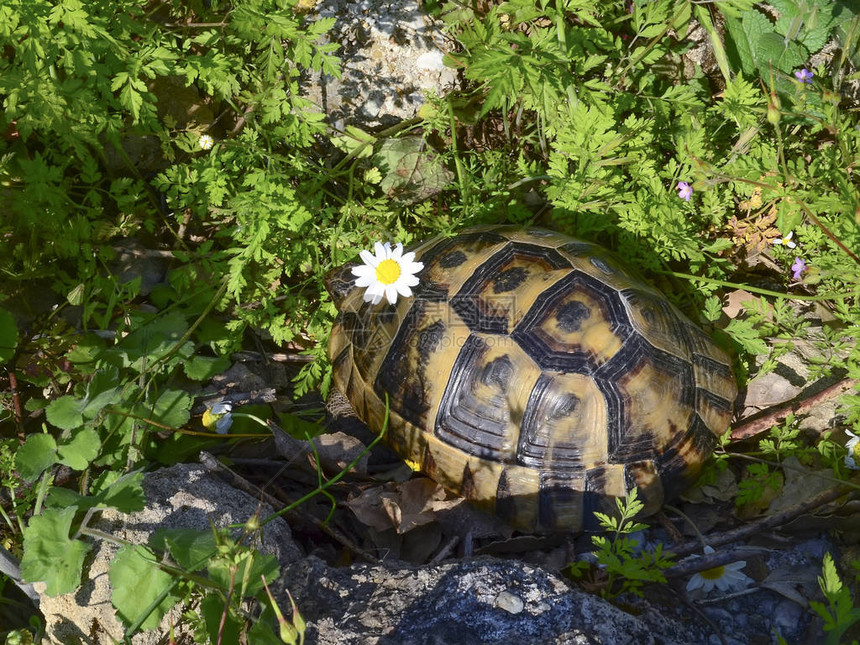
[(402, 506), (369, 510), (801, 485), (754, 235), (734, 302), (338, 449), (797, 583), (724, 488)]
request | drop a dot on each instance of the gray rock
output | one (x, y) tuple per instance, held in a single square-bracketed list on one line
[(456, 604), (391, 54), (182, 496)]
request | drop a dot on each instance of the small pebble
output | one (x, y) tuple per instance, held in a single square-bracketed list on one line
[(509, 602)]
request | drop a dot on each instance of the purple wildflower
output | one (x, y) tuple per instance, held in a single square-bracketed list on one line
[(804, 75), (685, 191), (798, 268)]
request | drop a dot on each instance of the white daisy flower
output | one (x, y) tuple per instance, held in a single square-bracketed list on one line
[(724, 578), (786, 241), (851, 446), (206, 142), (387, 273), (219, 417)]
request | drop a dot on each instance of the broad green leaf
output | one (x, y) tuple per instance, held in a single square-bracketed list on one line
[(62, 497), (153, 339), (81, 450), (212, 610), (38, 453), (102, 391), (774, 50), (8, 336), (744, 35), (203, 368), (173, 408), (261, 632), (125, 494), (109, 490), (50, 555), (86, 350), (138, 582), (191, 549), (66, 412)]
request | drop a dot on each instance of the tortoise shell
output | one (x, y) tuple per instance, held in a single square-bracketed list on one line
[(535, 376)]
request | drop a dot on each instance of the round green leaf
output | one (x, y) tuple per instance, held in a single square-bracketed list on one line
[(50, 555), (173, 408), (66, 412), (203, 368), (38, 453), (137, 582), (81, 450)]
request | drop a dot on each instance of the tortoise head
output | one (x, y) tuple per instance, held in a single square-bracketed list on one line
[(340, 283)]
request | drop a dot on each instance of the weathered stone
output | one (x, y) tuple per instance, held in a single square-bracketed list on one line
[(182, 496), (456, 604), (391, 54)]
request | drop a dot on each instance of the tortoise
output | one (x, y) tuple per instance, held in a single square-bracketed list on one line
[(534, 375)]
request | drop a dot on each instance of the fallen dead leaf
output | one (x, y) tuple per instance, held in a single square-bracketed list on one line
[(734, 302), (402, 506), (797, 584)]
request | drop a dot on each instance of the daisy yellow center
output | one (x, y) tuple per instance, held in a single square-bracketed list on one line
[(713, 574), (388, 271)]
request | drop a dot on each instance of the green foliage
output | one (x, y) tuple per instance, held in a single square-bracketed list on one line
[(591, 106), (627, 567), (50, 553), (839, 612), (759, 478), (758, 44), (141, 590)]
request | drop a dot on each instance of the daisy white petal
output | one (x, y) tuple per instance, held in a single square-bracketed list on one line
[(363, 269), (374, 293), (364, 281), (723, 578), (391, 293), (389, 272), (368, 258)]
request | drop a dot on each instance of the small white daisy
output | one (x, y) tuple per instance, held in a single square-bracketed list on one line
[(851, 447), (219, 417), (724, 578), (387, 273), (786, 241), (206, 142)]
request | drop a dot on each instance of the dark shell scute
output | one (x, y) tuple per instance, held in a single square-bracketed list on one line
[(510, 279), (452, 259), (498, 373), (601, 264), (571, 314)]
